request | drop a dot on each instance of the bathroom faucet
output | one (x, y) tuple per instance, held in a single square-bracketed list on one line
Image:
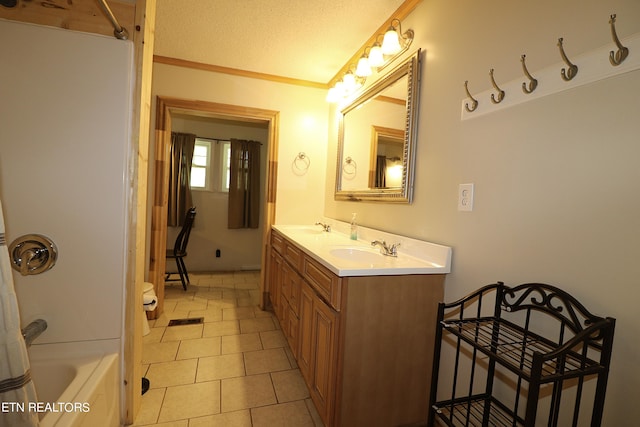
[(34, 330), (325, 227), (385, 249)]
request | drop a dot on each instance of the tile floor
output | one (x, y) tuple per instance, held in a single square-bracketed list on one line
[(234, 369)]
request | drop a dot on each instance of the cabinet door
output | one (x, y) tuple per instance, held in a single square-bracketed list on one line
[(305, 343), (324, 332), (275, 280)]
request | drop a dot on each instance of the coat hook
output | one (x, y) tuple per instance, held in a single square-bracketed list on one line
[(533, 83), (569, 73), (621, 54), (474, 102), (500, 97)]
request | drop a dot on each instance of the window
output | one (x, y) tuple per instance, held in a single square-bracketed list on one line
[(200, 167), (210, 168), (225, 165)]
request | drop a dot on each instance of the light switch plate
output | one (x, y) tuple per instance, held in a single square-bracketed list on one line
[(465, 197)]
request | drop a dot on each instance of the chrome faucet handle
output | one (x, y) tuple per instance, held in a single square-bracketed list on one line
[(394, 249), (32, 254), (325, 227)]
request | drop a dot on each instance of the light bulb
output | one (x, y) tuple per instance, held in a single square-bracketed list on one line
[(349, 81), (376, 58), (391, 42), (363, 69)]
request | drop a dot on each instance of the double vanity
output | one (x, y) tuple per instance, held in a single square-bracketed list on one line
[(360, 324)]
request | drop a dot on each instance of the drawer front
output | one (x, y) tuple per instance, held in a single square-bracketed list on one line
[(293, 255), (277, 242), (294, 292), (327, 284)]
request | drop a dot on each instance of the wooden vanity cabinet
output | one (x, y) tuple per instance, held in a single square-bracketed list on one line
[(364, 344)]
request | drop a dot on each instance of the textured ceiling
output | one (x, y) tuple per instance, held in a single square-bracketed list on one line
[(300, 39)]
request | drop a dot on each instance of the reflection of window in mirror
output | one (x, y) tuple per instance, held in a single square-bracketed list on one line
[(387, 151)]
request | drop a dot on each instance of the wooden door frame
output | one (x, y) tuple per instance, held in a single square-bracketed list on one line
[(165, 108)]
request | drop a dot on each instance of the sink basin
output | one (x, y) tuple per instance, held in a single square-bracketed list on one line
[(359, 255)]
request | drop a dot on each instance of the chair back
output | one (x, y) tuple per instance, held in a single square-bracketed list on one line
[(180, 247)]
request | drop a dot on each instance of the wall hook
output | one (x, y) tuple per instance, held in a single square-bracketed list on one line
[(570, 72), (533, 83), (500, 97), (474, 102), (621, 54)]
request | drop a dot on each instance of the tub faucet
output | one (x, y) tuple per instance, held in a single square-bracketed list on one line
[(325, 227), (34, 330), (386, 249)]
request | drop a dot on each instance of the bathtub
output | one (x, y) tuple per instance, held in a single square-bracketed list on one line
[(77, 384)]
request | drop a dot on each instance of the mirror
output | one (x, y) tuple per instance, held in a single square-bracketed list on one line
[(377, 138)]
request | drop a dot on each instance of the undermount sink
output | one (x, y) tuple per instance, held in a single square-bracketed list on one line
[(359, 255)]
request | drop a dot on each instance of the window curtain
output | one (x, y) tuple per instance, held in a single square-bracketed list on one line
[(381, 172), (244, 185), (180, 158)]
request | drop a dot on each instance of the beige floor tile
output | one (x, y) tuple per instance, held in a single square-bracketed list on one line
[(273, 339), (182, 332), (227, 419), (159, 352), (191, 305), (263, 361), (294, 414), (219, 367), (155, 335), (314, 413), (219, 329), (150, 407), (209, 294), (236, 313), (289, 386), (247, 392), (190, 401), (164, 318), (240, 343), (250, 285), (211, 314), (223, 303), (201, 347), (235, 293), (262, 313), (167, 374), (177, 423), (258, 324)]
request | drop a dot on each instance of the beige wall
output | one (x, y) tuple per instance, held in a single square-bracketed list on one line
[(557, 179)]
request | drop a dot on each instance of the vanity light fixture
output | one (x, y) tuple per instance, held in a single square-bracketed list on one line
[(394, 42)]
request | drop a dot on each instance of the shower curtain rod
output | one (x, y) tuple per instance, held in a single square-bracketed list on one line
[(121, 33)]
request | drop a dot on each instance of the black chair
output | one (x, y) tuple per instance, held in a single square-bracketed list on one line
[(179, 250)]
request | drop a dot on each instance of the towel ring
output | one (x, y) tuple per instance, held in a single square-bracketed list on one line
[(302, 162), (349, 167)]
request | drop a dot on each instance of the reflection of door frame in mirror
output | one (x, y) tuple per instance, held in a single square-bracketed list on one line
[(376, 133), (165, 107), (410, 68)]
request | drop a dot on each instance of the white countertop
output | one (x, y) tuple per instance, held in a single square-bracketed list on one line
[(346, 257)]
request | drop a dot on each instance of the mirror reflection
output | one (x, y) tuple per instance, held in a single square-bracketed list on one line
[(376, 139)]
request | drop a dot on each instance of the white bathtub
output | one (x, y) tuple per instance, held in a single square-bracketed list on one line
[(77, 385)]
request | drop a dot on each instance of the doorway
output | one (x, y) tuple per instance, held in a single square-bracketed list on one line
[(168, 108)]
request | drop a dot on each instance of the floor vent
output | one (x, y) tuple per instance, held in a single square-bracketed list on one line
[(178, 322)]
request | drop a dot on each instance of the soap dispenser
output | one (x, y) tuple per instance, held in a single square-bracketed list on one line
[(354, 227)]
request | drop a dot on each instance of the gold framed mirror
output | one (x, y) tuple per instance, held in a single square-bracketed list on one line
[(377, 138)]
